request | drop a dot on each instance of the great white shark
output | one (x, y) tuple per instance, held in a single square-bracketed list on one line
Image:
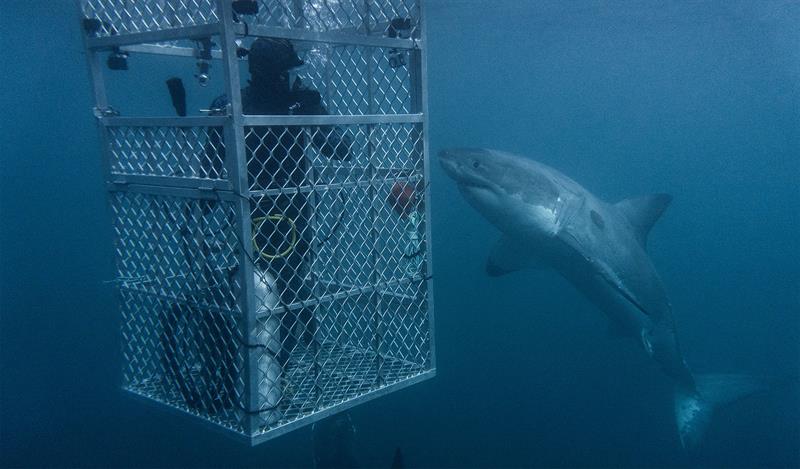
[(547, 219)]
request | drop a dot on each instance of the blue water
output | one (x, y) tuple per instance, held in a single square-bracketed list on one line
[(698, 99)]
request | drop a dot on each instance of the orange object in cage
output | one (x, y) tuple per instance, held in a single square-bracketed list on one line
[(403, 198)]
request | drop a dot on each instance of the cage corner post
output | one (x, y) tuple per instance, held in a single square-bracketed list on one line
[(419, 90), (236, 165)]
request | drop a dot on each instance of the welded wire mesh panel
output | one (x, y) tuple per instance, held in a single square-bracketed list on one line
[(177, 269), (356, 16), (357, 80), (341, 258), (295, 156), (196, 152), (345, 181), (352, 16), (357, 344), (136, 16)]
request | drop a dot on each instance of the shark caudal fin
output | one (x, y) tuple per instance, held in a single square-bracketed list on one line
[(694, 408)]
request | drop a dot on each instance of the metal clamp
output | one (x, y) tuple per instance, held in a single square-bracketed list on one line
[(101, 112)]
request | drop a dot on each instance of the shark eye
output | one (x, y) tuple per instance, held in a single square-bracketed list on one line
[(475, 164)]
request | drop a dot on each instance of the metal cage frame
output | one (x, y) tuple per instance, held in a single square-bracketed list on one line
[(181, 212)]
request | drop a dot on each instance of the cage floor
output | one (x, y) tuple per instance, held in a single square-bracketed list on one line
[(311, 382)]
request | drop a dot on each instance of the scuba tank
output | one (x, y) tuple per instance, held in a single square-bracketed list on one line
[(268, 337)]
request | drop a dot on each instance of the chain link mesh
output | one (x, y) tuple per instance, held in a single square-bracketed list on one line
[(167, 151), (176, 260), (355, 16), (357, 80), (136, 16), (343, 259), (328, 15)]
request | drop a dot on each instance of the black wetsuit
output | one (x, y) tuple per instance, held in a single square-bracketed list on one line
[(275, 159)]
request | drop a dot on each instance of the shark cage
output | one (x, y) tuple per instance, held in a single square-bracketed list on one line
[(273, 265)]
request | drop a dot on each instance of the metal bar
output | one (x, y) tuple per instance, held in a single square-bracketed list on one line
[(253, 120), (423, 93), (348, 404), (381, 292), (180, 51), (96, 75), (128, 287), (373, 216), (236, 161), (163, 35), (166, 49), (334, 186), (182, 192), (95, 67), (199, 121), (118, 179), (331, 37), (183, 413), (351, 292), (380, 27), (308, 265)]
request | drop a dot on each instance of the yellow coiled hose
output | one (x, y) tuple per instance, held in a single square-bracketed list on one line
[(277, 218)]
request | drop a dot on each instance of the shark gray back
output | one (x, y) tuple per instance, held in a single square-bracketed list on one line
[(547, 219)]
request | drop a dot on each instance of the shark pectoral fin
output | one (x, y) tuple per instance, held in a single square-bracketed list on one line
[(508, 255), (643, 212)]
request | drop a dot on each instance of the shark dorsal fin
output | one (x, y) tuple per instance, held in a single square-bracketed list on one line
[(643, 212)]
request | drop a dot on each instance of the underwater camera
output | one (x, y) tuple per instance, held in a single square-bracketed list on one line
[(118, 60), (398, 28), (203, 54)]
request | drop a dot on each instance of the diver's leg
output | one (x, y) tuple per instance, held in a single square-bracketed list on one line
[(287, 317), (299, 264)]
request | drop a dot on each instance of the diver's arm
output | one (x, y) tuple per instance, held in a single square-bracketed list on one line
[(331, 141)]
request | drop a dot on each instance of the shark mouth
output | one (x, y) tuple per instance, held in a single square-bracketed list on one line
[(474, 185)]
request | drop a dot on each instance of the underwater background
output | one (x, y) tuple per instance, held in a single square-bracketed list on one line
[(697, 99)]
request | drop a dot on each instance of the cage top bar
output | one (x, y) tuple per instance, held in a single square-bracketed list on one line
[(264, 120), (200, 31)]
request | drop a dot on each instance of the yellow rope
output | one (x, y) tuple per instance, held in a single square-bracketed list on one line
[(258, 221)]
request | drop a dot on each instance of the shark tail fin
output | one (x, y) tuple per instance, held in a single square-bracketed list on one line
[(695, 407)]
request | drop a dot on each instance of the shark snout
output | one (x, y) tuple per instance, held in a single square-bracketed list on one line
[(448, 163), (460, 163)]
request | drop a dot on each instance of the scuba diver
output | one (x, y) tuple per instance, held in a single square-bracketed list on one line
[(276, 159), (333, 442)]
